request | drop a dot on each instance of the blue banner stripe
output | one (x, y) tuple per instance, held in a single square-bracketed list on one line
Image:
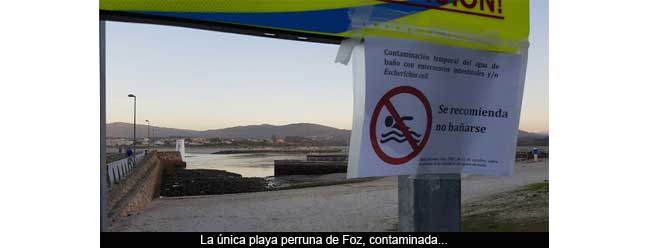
[(325, 21)]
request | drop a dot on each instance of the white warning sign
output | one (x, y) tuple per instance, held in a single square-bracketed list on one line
[(427, 108)]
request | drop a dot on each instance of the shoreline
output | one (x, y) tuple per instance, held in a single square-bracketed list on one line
[(289, 151), (205, 182), (209, 149)]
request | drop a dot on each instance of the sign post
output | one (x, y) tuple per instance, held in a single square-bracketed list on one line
[(429, 203)]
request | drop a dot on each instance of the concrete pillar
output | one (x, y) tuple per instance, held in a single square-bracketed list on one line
[(429, 203)]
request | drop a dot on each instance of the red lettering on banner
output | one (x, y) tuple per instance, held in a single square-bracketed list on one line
[(483, 8), (471, 4)]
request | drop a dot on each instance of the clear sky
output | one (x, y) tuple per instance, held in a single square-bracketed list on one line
[(196, 79)]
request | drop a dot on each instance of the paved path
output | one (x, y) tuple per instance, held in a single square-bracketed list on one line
[(367, 206)]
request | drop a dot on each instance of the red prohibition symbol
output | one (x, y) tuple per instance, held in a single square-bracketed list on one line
[(385, 102)]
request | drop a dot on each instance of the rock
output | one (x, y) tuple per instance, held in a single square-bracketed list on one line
[(184, 182)]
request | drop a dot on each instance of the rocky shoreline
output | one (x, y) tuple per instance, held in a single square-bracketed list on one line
[(185, 182), (298, 151), (193, 182)]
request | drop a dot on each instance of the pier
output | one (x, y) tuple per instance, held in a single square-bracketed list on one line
[(313, 165)]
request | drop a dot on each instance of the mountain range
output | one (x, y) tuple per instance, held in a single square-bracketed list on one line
[(265, 131), (528, 138), (125, 130)]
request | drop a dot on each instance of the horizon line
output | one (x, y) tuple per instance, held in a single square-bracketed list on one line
[(546, 132), (190, 129)]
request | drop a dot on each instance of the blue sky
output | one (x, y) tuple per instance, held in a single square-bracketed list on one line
[(196, 79)]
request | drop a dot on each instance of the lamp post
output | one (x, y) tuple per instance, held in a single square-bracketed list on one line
[(148, 136), (153, 136), (134, 108)]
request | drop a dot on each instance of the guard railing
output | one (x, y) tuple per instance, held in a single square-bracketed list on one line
[(120, 169)]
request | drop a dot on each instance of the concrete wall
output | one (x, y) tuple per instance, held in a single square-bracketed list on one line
[(171, 161), (142, 185), (327, 157)]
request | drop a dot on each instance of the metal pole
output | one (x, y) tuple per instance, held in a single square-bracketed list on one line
[(148, 137), (103, 195), (429, 203), (134, 121)]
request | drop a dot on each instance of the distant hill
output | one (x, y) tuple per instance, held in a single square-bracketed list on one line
[(528, 139), (122, 129), (265, 131)]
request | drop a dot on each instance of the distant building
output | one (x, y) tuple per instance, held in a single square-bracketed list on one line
[(198, 141), (298, 140), (118, 141)]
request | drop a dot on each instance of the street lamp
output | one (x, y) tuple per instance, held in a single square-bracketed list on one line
[(134, 102), (153, 136), (148, 136)]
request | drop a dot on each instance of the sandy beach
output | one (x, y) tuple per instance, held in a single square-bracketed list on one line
[(363, 206)]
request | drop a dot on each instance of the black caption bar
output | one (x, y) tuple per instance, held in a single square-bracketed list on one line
[(323, 239)]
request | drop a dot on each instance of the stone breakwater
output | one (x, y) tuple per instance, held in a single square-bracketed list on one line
[(142, 185), (313, 165)]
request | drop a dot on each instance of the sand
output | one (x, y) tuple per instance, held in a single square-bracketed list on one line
[(363, 206)]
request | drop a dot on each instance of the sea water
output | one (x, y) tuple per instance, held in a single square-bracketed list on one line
[(245, 164)]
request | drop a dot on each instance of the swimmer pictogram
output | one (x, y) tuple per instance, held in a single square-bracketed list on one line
[(397, 128)]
